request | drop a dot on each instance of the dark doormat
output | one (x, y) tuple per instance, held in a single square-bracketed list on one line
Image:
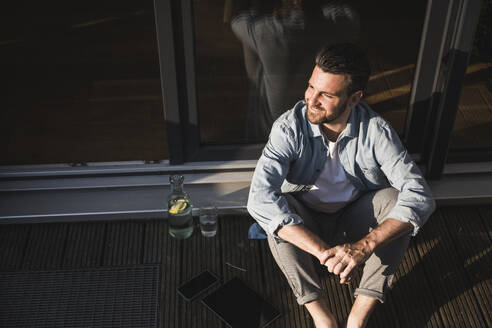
[(102, 297)]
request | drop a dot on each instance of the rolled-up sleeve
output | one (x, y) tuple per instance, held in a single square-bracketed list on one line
[(415, 202), (266, 204)]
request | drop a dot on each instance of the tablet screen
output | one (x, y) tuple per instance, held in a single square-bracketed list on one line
[(239, 306)]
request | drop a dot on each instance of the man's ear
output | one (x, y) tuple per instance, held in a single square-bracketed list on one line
[(355, 98)]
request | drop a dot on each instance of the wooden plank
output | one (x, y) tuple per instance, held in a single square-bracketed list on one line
[(443, 281), (412, 291), (159, 247), (238, 251), (198, 253), (241, 257), (428, 301), (84, 247), (384, 315), (339, 296), (474, 250), (280, 294), (427, 242), (445, 273), (123, 245), (155, 241), (261, 272), (45, 247), (486, 216), (13, 241)]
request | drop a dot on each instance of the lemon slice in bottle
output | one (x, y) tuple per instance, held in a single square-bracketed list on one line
[(178, 207)]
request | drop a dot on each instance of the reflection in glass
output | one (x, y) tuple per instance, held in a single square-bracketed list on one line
[(473, 124), (391, 38), (80, 83), (254, 58), (279, 41)]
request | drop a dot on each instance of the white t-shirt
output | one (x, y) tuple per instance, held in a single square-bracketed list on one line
[(332, 190)]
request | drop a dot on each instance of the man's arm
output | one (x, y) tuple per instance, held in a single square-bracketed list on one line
[(415, 202), (343, 259), (266, 203), (413, 207), (305, 239)]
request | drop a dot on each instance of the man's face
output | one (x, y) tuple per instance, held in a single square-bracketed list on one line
[(326, 96)]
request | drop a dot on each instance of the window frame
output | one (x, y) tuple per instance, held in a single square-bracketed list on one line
[(447, 39), (431, 101)]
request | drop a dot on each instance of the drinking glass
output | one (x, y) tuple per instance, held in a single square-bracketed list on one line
[(208, 221)]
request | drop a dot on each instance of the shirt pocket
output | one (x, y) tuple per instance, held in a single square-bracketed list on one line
[(374, 178)]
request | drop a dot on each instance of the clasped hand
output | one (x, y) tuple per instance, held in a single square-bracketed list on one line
[(342, 259)]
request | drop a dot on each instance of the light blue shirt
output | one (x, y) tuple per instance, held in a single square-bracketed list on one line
[(370, 152)]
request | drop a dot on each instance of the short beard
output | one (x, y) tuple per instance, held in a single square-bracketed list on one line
[(327, 119)]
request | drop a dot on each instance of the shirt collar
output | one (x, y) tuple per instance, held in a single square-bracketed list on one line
[(351, 128)]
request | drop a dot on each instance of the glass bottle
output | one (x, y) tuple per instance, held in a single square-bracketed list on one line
[(179, 209)]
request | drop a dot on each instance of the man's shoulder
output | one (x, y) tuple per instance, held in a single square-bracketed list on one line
[(366, 115), (374, 130), (292, 119)]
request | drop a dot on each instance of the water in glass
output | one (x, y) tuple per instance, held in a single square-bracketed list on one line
[(208, 221)]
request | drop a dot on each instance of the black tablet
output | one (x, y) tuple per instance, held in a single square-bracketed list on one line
[(239, 306)]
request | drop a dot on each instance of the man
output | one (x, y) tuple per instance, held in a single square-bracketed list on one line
[(334, 182)]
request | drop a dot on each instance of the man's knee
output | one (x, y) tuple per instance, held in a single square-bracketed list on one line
[(380, 268), (298, 268), (384, 200)]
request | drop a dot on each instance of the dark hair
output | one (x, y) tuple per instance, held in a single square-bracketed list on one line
[(345, 58)]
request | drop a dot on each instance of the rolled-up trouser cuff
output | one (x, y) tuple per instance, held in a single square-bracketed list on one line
[(301, 300), (370, 293)]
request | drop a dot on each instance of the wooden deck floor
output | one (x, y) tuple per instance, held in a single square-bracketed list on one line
[(445, 279)]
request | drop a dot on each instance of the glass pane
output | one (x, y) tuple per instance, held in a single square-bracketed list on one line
[(391, 38), (80, 83), (254, 58), (473, 124)]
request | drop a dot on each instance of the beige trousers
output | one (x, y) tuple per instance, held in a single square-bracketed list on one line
[(345, 226)]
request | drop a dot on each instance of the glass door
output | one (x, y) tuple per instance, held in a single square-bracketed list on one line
[(471, 136), (80, 83), (247, 62)]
